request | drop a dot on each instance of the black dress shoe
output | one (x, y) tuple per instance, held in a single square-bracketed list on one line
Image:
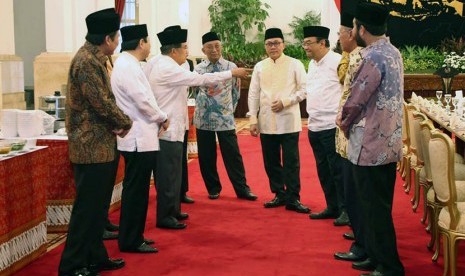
[(214, 196), (342, 220), (348, 256), (109, 264), (325, 214), (107, 235), (143, 248), (248, 195), (374, 273), (366, 265), (275, 202), (112, 227), (79, 272), (148, 241), (186, 199), (298, 207), (182, 216), (348, 236), (177, 226)]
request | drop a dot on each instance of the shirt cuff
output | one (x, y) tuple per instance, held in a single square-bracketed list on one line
[(286, 102), (253, 120)]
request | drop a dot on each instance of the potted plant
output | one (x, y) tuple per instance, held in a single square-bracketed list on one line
[(421, 62), (232, 19)]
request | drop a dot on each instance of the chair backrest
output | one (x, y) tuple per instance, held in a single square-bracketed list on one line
[(418, 117), (443, 173), (426, 127), (405, 132), (413, 143)]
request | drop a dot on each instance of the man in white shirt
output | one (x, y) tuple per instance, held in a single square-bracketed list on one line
[(139, 147), (169, 82), (323, 95), (276, 88)]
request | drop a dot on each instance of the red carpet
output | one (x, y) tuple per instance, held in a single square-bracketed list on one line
[(237, 237)]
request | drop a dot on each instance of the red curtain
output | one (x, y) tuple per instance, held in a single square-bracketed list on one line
[(119, 7), (338, 4)]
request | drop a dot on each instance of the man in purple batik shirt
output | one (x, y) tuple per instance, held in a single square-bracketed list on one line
[(372, 120)]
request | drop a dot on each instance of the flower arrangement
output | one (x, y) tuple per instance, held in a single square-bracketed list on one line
[(455, 61)]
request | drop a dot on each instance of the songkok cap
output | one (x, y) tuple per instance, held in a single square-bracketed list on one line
[(316, 31), (347, 19), (103, 22), (371, 13), (131, 34), (210, 36), (172, 35), (273, 33)]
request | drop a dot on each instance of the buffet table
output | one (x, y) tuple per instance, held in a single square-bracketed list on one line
[(60, 187), (23, 231)]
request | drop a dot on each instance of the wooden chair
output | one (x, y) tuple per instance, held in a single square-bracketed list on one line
[(451, 220), (419, 173), (432, 208)]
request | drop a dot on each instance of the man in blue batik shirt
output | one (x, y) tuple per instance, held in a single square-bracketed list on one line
[(214, 114)]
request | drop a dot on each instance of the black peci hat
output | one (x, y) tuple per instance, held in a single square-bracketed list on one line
[(371, 13), (132, 34), (172, 35), (273, 33), (210, 36), (347, 19), (103, 22), (316, 31)]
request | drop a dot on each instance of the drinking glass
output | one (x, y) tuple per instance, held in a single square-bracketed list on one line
[(439, 96), (447, 98), (455, 103)]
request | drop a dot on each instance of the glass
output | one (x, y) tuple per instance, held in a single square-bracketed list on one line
[(463, 112), (430, 105), (308, 43), (273, 44), (439, 96), (344, 31), (213, 47), (448, 98), (455, 103)]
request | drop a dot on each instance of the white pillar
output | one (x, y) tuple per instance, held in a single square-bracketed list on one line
[(7, 31), (65, 28)]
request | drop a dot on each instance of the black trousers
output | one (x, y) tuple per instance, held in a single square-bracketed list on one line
[(106, 208), (353, 207), (375, 186), (135, 198), (84, 245), (168, 181), (232, 158), (185, 173), (328, 165), (284, 175)]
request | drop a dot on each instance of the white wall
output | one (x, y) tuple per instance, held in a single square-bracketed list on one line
[(65, 25), (66, 29)]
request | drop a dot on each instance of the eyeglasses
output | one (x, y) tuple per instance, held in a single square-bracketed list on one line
[(213, 47), (273, 44), (308, 43), (344, 31)]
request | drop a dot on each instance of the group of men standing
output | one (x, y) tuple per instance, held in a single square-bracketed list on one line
[(354, 130)]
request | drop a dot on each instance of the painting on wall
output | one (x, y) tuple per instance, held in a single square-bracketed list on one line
[(420, 22)]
